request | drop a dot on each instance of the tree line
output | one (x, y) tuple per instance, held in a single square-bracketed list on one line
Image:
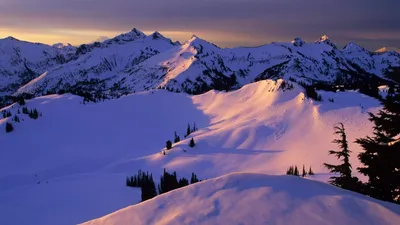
[(168, 182), (293, 170), (32, 113)]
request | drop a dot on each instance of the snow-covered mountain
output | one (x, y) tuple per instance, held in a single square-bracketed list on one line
[(21, 61), (245, 198), (135, 62)]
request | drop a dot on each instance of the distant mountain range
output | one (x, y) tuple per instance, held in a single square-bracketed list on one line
[(133, 62)]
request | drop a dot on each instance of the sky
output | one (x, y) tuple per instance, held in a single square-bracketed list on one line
[(227, 23)]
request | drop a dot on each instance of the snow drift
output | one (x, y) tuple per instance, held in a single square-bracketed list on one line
[(246, 198)]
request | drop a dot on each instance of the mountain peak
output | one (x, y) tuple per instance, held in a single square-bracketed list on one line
[(325, 40), (298, 42), (194, 37), (388, 49), (10, 38), (352, 46), (157, 35), (196, 41), (137, 32), (132, 35)]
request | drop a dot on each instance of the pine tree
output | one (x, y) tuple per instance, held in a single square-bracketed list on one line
[(183, 182), (168, 182), (188, 130), (193, 179), (9, 127), (191, 143), (16, 119), (25, 110), (194, 129), (148, 187), (310, 172), (177, 138), (34, 114), (296, 171), (152, 187), (310, 92), (381, 155), (345, 179), (6, 114), (168, 145), (21, 101), (304, 174), (290, 171)]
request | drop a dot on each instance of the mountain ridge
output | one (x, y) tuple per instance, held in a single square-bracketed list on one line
[(127, 63)]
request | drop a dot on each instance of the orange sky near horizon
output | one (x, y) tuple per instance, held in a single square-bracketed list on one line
[(78, 37), (74, 37)]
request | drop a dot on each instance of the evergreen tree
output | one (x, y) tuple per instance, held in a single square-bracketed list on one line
[(188, 130), (168, 182), (9, 127), (194, 129), (290, 171), (194, 179), (6, 114), (21, 101), (381, 155), (34, 114), (148, 187), (310, 172), (296, 171), (183, 182), (16, 119), (310, 92), (191, 143), (25, 110), (304, 173), (168, 145), (177, 138), (345, 180)]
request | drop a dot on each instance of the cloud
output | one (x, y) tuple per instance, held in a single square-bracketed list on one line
[(256, 20)]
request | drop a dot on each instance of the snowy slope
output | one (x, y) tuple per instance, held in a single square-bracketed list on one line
[(78, 161), (135, 62), (22, 61), (246, 198)]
